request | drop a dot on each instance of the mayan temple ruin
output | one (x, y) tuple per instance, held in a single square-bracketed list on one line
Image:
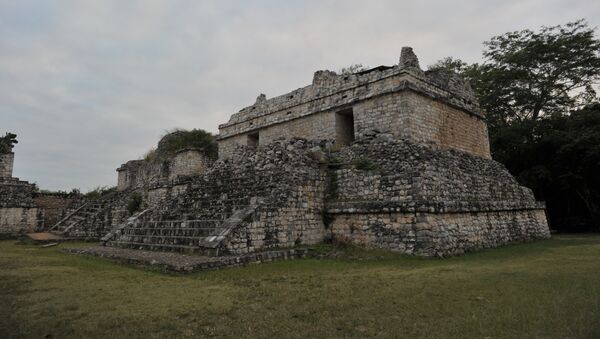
[(392, 157)]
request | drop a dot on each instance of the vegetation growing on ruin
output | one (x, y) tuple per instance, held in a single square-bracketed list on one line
[(7, 143), (331, 191), (100, 191), (179, 139), (547, 289), (135, 202), (354, 68), (364, 164)]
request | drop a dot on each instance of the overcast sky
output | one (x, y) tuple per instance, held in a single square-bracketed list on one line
[(88, 85)]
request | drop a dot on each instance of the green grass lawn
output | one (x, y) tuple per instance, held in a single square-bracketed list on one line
[(547, 289)]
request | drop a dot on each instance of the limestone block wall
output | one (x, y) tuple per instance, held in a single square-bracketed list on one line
[(17, 220), (6, 165), (188, 162), (450, 128), (142, 173)]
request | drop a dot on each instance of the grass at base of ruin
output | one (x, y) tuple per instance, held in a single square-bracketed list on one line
[(545, 289)]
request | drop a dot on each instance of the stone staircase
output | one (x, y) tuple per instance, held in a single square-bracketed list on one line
[(257, 200), (92, 220), (196, 222)]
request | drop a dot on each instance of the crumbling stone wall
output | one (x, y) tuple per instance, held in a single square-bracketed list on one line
[(18, 211)]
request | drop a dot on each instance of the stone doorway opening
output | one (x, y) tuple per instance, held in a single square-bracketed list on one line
[(253, 139), (344, 127)]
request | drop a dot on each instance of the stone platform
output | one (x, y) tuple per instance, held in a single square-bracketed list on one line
[(176, 262)]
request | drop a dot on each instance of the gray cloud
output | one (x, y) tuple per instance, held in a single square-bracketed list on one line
[(88, 85)]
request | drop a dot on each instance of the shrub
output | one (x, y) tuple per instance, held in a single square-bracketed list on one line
[(179, 139), (364, 164), (100, 191), (135, 202)]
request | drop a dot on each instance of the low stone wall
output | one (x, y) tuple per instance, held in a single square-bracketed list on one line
[(17, 220), (440, 234)]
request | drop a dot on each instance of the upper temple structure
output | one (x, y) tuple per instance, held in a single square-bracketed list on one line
[(435, 108), (392, 157)]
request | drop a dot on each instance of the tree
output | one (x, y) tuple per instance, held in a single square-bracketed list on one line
[(7, 143), (528, 74), (354, 68), (558, 157)]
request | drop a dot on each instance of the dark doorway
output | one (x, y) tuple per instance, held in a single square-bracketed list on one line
[(253, 139), (344, 127)]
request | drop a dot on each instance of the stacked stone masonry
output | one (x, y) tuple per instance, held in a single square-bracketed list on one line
[(411, 198), (6, 165)]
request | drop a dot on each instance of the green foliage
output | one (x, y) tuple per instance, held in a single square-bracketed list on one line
[(73, 192), (364, 164), (559, 158), (135, 202), (7, 143), (450, 64), (352, 69), (100, 191), (528, 74), (179, 139), (331, 191), (327, 218)]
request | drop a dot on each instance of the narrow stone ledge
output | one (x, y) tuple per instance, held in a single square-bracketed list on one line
[(181, 263)]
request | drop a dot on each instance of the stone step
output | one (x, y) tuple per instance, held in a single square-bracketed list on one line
[(189, 238), (154, 246)]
